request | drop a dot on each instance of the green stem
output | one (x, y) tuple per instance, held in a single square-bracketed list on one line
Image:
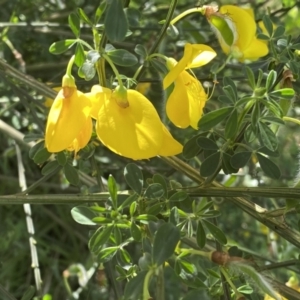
[(196, 252), (70, 65), (257, 212), (162, 33), (148, 276), (160, 285), (115, 70), (188, 12), (225, 274)]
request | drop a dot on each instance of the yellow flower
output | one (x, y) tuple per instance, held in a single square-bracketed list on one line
[(235, 28), (187, 100), (69, 125), (134, 131)]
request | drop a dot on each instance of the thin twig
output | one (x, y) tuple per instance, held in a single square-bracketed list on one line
[(30, 226)]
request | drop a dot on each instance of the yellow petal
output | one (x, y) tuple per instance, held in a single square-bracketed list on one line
[(194, 56), (244, 24), (169, 146), (134, 132), (186, 102), (175, 69), (65, 120), (83, 137), (97, 96), (200, 55), (256, 49)]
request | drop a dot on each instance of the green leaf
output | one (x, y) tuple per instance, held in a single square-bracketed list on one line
[(258, 279), (155, 209), (132, 208), (50, 167), (179, 196), (226, 164), (245, 289), (99, 238), (71, 174), (141, 50), (61, 46), (268, 152), (79, 55), (93, 56), (122, 58), (255, 115), (213, 118), (134, 288), (34, 149), (87, 71), (271, 79), (135, 232), (251, 77), (243, 101), (134, 177), (164, 244), (115, 22), (207, 144), (146, 218), (41, 156), (262, 36), (200, 235), (274, 120), (267, 137), (102, 220), (61, 158), (231, 126), (83, 215), (216, 232), (84, 17), (99, 11), (231, 93), (145, 261), (133, 16), (157, 178), (74, 23), (29, 293), (117, 235), (32, 137), (269, 168), (124, 256), (240, 159), (285, 93), (107, 254), (191, 148), (225, 99), (113, 190), (279, 31), (268, 24), (174, 216), (128, 201), (210, 165), (154, 191)]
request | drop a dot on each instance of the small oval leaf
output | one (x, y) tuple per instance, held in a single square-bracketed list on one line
[(134, 177), (216, 232), (209, 165), (269, 168), (164, 244)]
